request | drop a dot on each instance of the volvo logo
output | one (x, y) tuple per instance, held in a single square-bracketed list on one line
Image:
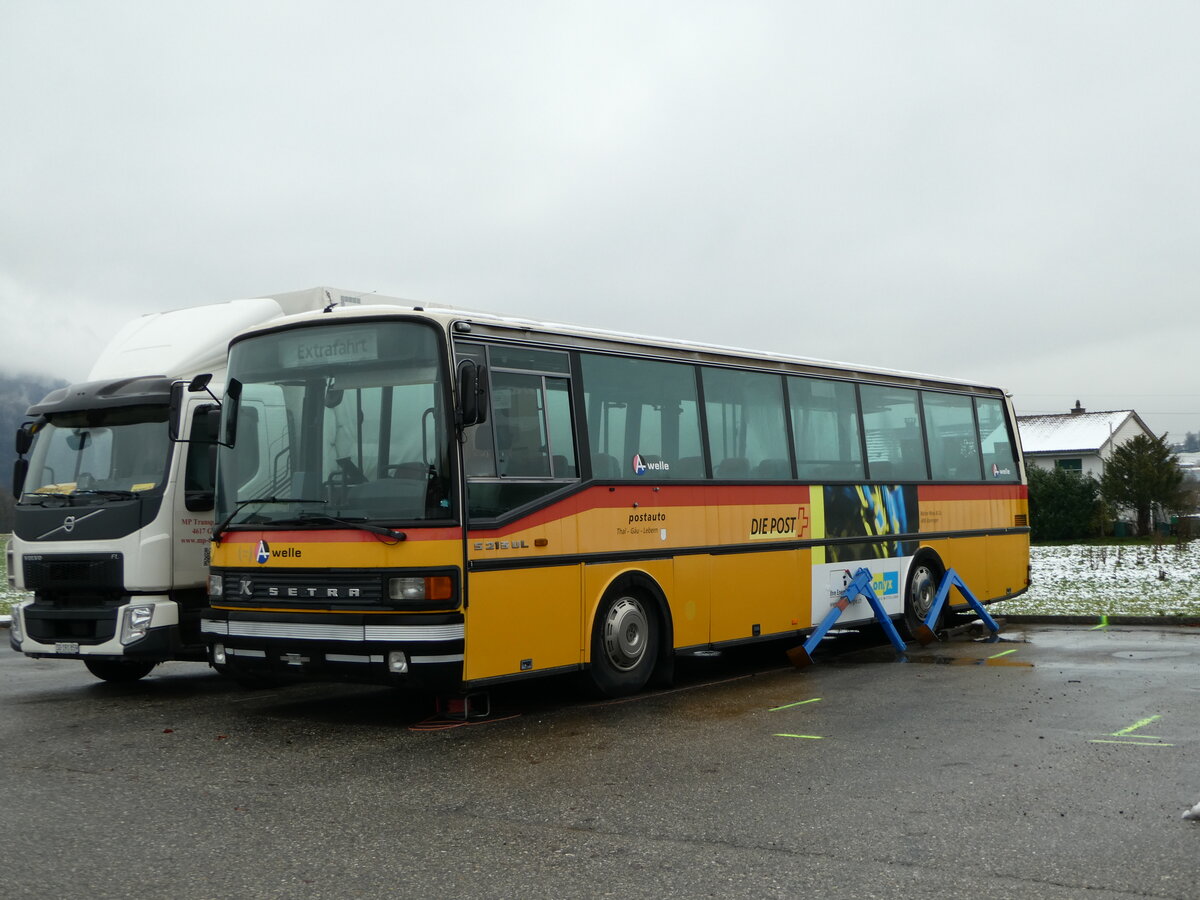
[(68, 524)]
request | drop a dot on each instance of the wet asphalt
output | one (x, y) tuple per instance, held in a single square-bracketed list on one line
[(1053, 763)]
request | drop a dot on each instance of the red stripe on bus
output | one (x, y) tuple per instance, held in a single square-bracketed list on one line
[(338, 537)]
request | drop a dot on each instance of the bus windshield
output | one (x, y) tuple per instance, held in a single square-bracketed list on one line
[(344, 421), (100, 455)]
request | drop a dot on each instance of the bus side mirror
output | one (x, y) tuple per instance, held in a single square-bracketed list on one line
[(472, 393), (20, 470), (233, 399)]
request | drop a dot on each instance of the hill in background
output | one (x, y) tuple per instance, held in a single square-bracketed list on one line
[(17, 394)]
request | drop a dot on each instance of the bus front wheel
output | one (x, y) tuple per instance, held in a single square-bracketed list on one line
[(923, 580), (624, 643)]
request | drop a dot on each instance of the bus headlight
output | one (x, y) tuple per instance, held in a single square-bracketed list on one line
[(135, 622), (436, 587), (397, 662), (216, 586), (218, 654)]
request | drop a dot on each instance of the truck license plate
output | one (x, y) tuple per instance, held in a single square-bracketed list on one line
[(66, 647)]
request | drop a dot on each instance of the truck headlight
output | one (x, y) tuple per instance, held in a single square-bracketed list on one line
[(135, 622), (12, 572)]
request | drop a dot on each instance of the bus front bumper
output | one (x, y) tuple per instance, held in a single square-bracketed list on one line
[(424, 651)]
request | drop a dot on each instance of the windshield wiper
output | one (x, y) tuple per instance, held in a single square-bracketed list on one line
[(44, 495), (360, 524), (68, 497), (237, 508)]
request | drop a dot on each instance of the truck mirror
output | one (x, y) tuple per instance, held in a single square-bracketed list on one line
[(25, 438), (20, 470), (472, 393)]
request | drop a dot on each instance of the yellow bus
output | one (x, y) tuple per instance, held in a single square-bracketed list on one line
[(447, 500)]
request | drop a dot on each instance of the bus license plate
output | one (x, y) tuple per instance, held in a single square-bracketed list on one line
[(66, 647)]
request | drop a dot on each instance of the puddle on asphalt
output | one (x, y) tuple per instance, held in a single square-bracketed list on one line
[(1001, 639), (1150, 654), (886, 655), (966, 661)]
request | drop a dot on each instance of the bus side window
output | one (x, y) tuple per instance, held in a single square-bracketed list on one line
[(895, 438), (999, 458), (520, 426), (643, 418), (827, 429), (747, 430), (953, 442), (525, 449)]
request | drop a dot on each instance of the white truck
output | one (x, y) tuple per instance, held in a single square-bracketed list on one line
[(114, 487)]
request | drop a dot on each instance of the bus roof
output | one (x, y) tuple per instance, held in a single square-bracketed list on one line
[(492, 325)]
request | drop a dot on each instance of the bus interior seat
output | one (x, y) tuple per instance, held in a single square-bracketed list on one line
[(563, 467), (408, 471), (525, 463), (774, 468), (605, 466), (733, 467), (408, 491)]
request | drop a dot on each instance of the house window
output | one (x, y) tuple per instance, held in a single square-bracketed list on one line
[(1071, 465)]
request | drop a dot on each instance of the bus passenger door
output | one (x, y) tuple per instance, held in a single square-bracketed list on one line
[(523, 575)]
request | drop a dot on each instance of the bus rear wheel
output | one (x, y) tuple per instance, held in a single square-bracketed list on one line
[(624, 643), (119, 671), (924, 577)]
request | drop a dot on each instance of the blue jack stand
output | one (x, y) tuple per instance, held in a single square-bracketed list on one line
[(924, 632), (861, 584)]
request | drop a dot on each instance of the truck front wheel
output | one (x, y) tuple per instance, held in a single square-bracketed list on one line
[(119, 671)]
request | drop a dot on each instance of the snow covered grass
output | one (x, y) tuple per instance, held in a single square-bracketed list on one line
[(1069, 580), (1127, 579)]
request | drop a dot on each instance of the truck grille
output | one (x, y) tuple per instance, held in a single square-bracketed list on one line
[(93, 572)]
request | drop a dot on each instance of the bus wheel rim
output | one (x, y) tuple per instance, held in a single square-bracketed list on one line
[(625, 632), (923, 588)]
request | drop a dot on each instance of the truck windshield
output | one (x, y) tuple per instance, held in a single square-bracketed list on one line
[(99, 455), (345, 421)]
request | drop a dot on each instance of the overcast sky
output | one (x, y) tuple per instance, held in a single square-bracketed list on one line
[(999, 191)]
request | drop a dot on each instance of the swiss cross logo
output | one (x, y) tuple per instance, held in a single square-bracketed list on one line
[(802, 521)]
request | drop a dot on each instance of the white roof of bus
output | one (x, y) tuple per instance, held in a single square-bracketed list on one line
[(186, 341), (448, 314)]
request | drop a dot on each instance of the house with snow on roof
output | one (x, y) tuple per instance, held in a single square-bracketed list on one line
[(1079, 440)]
